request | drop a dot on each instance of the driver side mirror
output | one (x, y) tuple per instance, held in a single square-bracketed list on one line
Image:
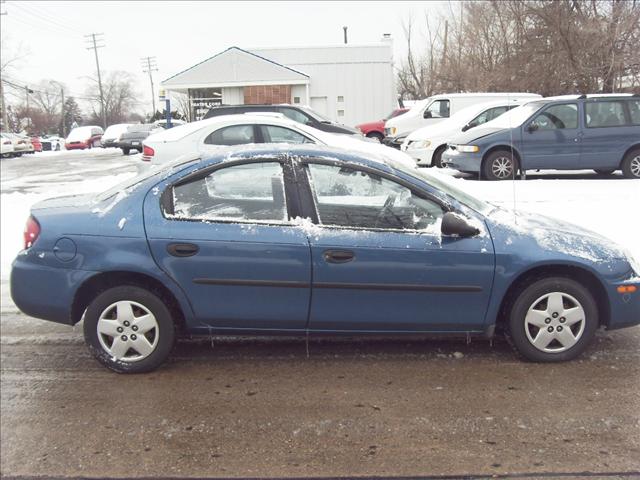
[(532, 127), (427, 114), (457, 225)]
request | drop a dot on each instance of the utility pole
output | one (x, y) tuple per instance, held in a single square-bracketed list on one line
[(149, 65), (27, 91), (344, 29), (93, 41), (61, 87)]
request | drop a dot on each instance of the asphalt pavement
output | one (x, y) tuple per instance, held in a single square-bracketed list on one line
[(341, 408)]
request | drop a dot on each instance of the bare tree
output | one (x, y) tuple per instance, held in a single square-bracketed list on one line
[(120, 97)]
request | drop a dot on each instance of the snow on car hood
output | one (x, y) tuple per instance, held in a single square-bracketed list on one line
[(474, 134), (555, 235)]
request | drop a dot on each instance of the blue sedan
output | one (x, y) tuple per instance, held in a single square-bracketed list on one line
[(307, 239)]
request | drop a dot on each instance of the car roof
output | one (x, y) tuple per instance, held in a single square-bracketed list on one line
[(322, 152)]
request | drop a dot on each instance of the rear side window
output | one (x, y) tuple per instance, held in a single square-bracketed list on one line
[(488, 115), (634, 110), (557, 117), (251, 192), (234, 135), (605, 114)]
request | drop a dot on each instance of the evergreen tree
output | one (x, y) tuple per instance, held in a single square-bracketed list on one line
[(71, 113)]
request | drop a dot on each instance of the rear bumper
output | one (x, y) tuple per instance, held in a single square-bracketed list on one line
[(465, 162), (130, 144), (45, 292)]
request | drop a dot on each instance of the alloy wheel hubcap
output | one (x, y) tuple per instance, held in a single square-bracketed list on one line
[(635, 166), (128, 331), (502, 167), (554, 322)]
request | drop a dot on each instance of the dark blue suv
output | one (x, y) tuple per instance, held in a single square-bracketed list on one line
[(599, 132)]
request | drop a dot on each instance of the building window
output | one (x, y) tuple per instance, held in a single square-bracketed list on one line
[(296, 99), (340, 98), (341, 113)]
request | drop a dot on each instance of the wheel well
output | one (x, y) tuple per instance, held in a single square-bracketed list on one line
[(630, 149), (374, 133), (507, 148), (580, 275), (103, 281)]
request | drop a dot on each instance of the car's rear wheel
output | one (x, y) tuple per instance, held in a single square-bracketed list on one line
[(604, 171), (500, 165), (553, 320), (376, 136), (125, 151), (631, 164), (129, 329)]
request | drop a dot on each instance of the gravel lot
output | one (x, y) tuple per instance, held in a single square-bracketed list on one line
[(350, 407)]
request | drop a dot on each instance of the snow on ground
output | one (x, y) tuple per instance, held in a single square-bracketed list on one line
[(607, 205)]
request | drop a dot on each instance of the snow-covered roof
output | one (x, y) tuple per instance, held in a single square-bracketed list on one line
[(235, 67)]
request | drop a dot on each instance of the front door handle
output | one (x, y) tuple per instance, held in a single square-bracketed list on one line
[(182, 249), (338, 256)]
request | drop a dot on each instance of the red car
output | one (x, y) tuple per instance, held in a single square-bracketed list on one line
[(37, 144), (84, 137), (376, 129)]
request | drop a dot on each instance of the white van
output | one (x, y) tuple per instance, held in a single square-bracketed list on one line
[(426, 144), (435, 109)]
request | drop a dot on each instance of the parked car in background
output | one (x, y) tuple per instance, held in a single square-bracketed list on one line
[(437, 108), (21, 144), (299, 114), (309, 239), (598, 132), (135, 134), (37, 144), (217, 132), (84, 137), (52, 142), (375, 130), (426, 144), (6, 146), (112, 134)]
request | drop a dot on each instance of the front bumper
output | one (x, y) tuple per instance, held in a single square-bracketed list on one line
[(394, 142), (624, 307), (465, 162), (422, 156), (111, 143), (75, 146)]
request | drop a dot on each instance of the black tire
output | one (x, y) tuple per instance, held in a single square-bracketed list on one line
[(125, 151), (631, 164), (500, 165), (436, 160), (604, 171), (164, 329), (376, 136), (519, 333)]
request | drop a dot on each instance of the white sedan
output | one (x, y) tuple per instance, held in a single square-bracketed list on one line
[(204, 135), (426, 144)]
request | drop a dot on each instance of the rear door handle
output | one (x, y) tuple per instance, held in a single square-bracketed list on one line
[(338, 256), (182, 249)]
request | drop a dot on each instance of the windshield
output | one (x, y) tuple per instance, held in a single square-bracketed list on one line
[(515, 117), (165, 169), (316, 115)]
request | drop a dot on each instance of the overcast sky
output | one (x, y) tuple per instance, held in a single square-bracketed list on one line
[(181, 34)]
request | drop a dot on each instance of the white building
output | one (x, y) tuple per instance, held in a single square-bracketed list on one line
[(349, 84)]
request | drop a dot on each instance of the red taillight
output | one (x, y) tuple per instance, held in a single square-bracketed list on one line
[(147, 153), (31, 232)]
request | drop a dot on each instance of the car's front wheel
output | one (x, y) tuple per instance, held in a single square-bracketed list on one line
[(553, 320), (375, 136), (500, 165), (631, 164), (129, 329)]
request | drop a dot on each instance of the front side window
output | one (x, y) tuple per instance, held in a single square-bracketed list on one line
[(557, 117), (353, 198), (234, 135), (604, 114), (274, 134), (296, 116), (246, 193), (487, 116), (438, 109)]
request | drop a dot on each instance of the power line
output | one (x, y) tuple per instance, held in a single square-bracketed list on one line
[(93, 39), (149, 65)]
